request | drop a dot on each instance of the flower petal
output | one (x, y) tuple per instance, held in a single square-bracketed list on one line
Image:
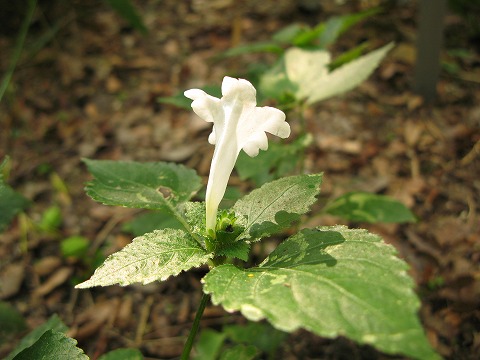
[(207, 107), (240, 90), (254, 125)]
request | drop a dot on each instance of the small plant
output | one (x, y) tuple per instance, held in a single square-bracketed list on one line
[(11, 202), (239, 342), (49, 341), (331, 281)]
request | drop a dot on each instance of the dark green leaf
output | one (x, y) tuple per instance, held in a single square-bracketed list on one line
[(126, 10), (367, 207), (262, 335), (307, 38), (332, 281), (240, 352), (328, 32), (122, 354), (54, 323), (233, 249), (276, 205), (11, 203), (151, 257), (287, 34), (226, 243), (155, 186), (151, 221), (12, 322), (350, 55), (269, 47), (53, 345), (208, 345), (278, 161), (179, 100)]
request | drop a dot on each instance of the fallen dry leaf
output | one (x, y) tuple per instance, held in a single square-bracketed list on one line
[(59, 277), (11, 278)]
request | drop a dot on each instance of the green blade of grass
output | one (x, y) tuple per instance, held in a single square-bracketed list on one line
[(18, 47)]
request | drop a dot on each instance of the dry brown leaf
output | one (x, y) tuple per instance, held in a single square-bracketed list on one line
[(47, 265), (449, 230), (56, 279), (11, 278), (124, 314), (94, 318)]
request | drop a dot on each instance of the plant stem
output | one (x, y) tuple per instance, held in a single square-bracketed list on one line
[(301, 115), (193, 331)]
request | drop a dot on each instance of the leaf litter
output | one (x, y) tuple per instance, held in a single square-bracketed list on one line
[(92, 93)]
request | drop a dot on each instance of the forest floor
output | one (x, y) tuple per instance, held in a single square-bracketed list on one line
[(91, 92)]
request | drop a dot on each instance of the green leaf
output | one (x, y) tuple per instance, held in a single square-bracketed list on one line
[(267, 47), (195, 216), (53, 345), (308, 37), (54, 323), (240, 352), (278, 161), (126, 10), (348, 56), (11, 203), (208, 345), (227, 242), (154, 186), (372, 208), (5, 167), (51, 219), (74, 246), (233, 249), (309, 71), (261, 335), (153, 256), (151, 221), (288, 33), (275, 84), (179, 100), (326, 33), (276, 205), (12, 322), (122, 354), (332, 281)]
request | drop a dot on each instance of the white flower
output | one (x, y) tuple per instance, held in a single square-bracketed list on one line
[(237, 124)]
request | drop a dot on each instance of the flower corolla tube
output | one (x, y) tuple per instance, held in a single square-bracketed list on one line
[(237, 124)]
